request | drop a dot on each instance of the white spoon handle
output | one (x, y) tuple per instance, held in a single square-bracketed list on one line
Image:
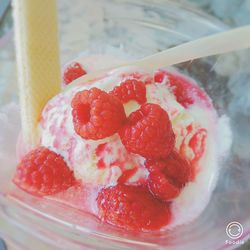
[(223, 42)]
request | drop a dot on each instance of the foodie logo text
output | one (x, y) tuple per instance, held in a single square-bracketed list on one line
[(234, 231)]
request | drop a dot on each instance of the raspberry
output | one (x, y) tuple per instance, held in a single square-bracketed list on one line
[(160, 76), (162, 187), (148, 132), (96, 114), (72, 72), (167, 177), (43, 172), (186, 92), (130, 89), (132, 207), (153, 165)]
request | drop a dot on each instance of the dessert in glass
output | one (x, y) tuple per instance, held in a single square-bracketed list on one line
[(152, 141)]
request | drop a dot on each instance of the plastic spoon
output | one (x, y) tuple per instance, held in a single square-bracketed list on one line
[(216, 44)]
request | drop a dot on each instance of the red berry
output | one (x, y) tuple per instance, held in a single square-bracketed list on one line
[(148, 132), (186, 92), (155, 165), (162, 187), (72, 72), (160, 76), (96, 114), (167, 177), (43, 172), (130, 89), (132, 207)]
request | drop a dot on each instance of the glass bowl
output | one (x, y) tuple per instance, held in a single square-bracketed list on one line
[(132, 29)]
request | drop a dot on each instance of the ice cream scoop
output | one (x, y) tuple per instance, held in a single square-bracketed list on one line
[(106, 164)]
